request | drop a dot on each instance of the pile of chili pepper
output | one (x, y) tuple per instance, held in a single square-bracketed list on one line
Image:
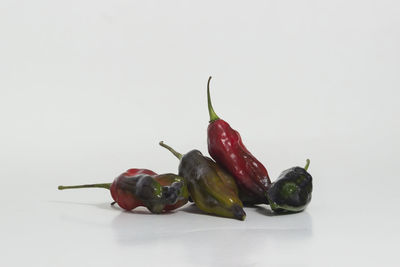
[(220, 185)]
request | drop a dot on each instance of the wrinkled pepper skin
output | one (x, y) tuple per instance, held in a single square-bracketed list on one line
[(291, 192), (227, 149), (143, 187), (212, 189), (120, 192), (178, 189)]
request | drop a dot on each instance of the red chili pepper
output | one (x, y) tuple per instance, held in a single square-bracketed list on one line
[(143, 187), (227, 149)]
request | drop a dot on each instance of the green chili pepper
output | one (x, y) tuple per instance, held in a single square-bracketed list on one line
[(291, 192), (212, 189)]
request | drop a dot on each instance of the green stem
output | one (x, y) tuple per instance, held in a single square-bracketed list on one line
[(307, 164), (213, 116), (176, 154), (106, 186)]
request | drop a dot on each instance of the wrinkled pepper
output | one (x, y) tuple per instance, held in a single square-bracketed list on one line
[(291, 192), (227, 149), (143, 187), (212, 189)]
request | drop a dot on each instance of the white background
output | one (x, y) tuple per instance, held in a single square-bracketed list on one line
[(88, 88)]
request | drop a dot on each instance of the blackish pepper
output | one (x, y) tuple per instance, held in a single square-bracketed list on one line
[(291, 192)]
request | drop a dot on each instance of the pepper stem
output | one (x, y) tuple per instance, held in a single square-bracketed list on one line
[(213, 116), (176, 154), (307, 164), (106, 186)]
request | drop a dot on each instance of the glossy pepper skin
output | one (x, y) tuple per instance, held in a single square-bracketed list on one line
[(143, 187), (212, 189), (227, 149), (291, 192)]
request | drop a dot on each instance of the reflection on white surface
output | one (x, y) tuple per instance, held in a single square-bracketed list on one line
[(133, 227), (206, 240), (186, 237)]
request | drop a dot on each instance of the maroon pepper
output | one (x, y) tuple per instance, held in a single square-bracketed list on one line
[(143, 187), (227, 149)]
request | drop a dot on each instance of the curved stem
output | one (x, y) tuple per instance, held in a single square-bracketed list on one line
[(213, 115), (307, 164), (106, 186), (176, 154)]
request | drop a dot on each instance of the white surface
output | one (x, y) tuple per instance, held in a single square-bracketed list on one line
[(88, 88)]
